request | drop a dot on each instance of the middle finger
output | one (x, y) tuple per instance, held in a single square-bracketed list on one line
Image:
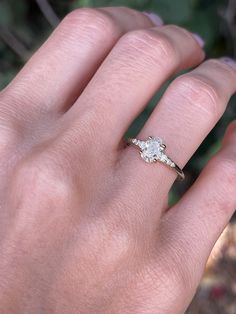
[(137, 66)]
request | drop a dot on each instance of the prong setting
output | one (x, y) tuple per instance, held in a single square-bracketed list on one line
[(152, 151)]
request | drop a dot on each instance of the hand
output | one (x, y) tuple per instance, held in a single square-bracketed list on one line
[(84, 225)]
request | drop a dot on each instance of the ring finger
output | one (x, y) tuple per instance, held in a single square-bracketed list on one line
[(188, 111)]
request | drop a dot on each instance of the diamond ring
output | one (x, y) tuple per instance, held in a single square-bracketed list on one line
[(153, 150)]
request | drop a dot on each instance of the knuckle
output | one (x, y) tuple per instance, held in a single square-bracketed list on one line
[(94, 21), (11, 130), (10, 139), (41, 176), (199, 92), (178, 30), (222, 67), (102, 230), (175, 28), (150, 43)]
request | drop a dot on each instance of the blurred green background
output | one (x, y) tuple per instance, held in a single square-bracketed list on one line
[(24, 25)]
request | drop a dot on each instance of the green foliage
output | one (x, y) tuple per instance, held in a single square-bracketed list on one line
[(29, 27)]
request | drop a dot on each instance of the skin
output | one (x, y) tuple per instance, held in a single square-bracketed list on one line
[(84, 222)]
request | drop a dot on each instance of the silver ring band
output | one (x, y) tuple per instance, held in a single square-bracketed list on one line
[(153, 150)]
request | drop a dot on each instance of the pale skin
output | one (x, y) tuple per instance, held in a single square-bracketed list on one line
[(84, 222)]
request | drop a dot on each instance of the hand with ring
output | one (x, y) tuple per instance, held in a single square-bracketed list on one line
[(85, 225)]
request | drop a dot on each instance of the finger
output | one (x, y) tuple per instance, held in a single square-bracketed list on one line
[(191, 228), (137, 66), (188, 111), (62, 67)]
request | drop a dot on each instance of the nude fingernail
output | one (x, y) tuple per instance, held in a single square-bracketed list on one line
[(229, 61), (156, 19), (199, 39)]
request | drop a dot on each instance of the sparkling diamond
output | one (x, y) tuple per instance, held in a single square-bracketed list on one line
[(152, 150)]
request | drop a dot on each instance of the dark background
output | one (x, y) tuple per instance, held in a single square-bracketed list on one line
[(24, 25)]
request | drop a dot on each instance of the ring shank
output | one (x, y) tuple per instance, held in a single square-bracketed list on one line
[(180, 172), (171, 164)]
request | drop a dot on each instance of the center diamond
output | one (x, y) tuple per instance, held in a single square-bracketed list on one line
[(152, 150)]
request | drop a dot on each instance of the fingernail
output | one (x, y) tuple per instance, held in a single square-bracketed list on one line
[(199, 39), (229, 61), (156, 19)]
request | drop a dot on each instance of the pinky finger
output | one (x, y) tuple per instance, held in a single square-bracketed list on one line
[(193, 225)]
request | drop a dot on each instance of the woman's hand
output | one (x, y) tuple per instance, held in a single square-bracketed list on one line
[(84, 226)]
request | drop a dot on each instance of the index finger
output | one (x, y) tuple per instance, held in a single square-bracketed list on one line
[(62, 67)]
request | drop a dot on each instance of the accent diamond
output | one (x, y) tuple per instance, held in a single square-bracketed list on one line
[(152, 150)]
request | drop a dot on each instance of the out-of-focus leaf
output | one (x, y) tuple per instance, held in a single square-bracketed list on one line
[(82, 3), (6, 77), (213, 149), (205, 25), (173, 197), (6, 14), (173, 11), (20, 11)]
